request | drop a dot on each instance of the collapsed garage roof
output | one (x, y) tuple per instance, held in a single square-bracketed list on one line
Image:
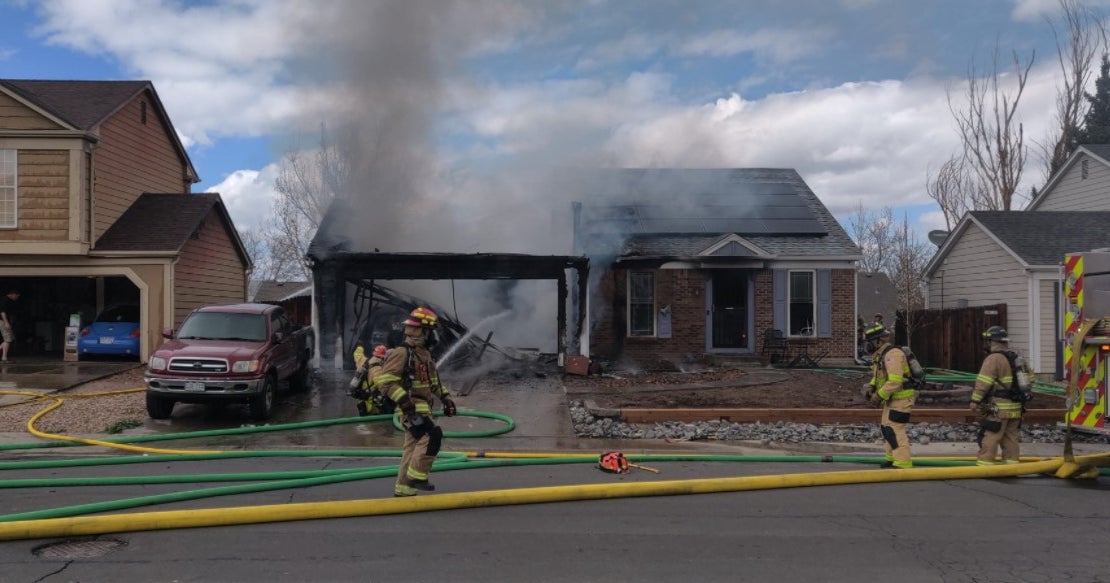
[(334, 264)]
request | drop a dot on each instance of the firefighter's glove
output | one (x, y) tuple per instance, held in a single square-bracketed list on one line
[(420, 425), (407, 406), (449, 408), (359, 393), (876, 399)]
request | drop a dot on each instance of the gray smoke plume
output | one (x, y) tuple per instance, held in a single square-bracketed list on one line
[(397, 72)]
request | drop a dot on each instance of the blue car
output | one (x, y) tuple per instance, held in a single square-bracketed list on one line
[(114, 332)]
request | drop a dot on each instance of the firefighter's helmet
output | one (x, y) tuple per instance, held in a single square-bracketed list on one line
[(613, 462), (379, 351), (875, 332), (996, 334), (422, 317)]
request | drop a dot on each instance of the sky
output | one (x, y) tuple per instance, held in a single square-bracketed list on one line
[(467, 109)]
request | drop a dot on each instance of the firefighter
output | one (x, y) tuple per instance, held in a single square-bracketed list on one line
[(889, 371), (409, 379), (370, 401), (992, 397)]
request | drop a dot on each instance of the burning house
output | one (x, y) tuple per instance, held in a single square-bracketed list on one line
[(695, 263)]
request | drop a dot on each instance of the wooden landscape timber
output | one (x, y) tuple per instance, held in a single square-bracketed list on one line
[(820, 416)]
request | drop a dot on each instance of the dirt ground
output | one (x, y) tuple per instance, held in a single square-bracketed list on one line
[(751, 388)]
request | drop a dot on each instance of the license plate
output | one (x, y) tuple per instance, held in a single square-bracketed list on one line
[(107, 340), (194, 386)]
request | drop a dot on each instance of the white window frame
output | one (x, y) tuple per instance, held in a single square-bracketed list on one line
[(628, 305), (790, 301), (9, 188)]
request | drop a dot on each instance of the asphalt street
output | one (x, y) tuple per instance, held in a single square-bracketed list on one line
[(1029, 528)]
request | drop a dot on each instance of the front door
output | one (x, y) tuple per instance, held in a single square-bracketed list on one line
[(729, 311)]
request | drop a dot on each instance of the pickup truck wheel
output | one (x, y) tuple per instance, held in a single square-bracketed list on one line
[(158, 407), (299, 381), (262, 406)]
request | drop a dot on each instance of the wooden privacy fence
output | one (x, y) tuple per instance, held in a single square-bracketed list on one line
[(950, 338)]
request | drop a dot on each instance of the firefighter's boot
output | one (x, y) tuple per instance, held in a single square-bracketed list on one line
[(401, 490)]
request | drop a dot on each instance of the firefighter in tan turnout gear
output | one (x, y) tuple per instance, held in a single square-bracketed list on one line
[(409, 378), (1000, 399), (364, 386), (889, 371)]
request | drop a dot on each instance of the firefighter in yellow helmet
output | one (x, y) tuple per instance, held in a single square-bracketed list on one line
[(996, 397), (409, 379), (889, 371)]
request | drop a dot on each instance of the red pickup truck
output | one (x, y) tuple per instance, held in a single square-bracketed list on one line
[(231, 353)]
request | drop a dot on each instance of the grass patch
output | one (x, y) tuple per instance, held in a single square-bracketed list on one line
[(122, 425)]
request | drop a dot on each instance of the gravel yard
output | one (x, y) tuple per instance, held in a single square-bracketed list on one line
[(83, 415)]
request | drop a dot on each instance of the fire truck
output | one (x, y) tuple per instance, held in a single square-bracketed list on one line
[(1087, 339)]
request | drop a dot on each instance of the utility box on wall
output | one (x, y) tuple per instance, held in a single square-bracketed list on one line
[(70, 345)]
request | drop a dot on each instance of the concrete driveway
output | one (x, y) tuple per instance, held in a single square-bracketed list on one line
[(49, 375)]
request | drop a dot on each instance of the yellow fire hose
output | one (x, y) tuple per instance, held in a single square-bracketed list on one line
[(93, 525), (58, 401)]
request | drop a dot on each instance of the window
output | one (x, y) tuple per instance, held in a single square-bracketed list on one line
[(803, 306), (8, 193), (641, 303)]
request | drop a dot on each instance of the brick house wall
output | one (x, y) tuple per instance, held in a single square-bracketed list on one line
[(684, 291)]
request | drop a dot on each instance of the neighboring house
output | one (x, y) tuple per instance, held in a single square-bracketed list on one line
[(689, 263), (96, 209), (1015, 257), (294, 296), (875, 294)]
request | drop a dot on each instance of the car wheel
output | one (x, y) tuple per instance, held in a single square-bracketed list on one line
[(299, 381), (262, 406), (158, 407)]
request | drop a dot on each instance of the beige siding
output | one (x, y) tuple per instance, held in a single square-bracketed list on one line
[(133, 158), (42, 196), (209, 271), (16, 116), (979, 270), (1046, 362), (1075, 193)]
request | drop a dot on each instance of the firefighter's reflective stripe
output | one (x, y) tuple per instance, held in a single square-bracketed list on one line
[(890, 382), (414, 474)]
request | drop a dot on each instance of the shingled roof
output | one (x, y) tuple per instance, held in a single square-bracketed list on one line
[(84, 105), (771, 208), (1044, 237), (164, 223), (270, 291)]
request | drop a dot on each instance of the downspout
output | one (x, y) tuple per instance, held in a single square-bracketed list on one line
[(855, 342)]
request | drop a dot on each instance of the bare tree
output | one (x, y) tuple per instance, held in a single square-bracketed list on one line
[(1085, 35), (992, 135), (306, 185), (956, 190), (872, 232), (890, 247)]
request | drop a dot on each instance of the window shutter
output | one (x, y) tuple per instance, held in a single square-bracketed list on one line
[(824, 303), (778, 280)]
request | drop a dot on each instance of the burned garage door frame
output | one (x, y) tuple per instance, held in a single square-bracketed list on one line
[(331, 273)]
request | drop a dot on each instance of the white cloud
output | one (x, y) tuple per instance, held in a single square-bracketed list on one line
[(248, 195), (218, 68), (778, 44)]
